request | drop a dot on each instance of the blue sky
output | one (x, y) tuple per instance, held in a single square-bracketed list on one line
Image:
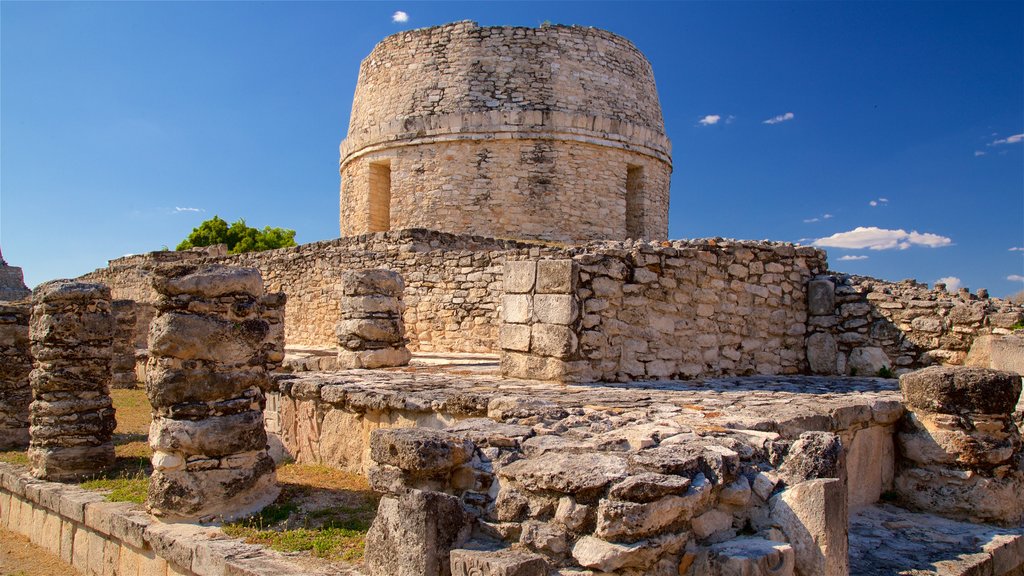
[(124, 125)]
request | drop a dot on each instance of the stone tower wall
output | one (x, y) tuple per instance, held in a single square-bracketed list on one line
[(550, 133)]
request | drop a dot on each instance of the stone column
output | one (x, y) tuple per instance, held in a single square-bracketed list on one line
[(15, 365), (122, 364), (273, 312), (206, 379), (960, 450), (371, 333), (72, 417)]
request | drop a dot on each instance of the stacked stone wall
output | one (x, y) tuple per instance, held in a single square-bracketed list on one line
[(122, 364), (653, 311), (860, 325), (517, 132)]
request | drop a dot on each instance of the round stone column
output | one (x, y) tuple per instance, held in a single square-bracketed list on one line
[(371, 333), (72, 418)]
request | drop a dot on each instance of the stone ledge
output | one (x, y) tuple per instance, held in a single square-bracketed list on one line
[(84, 529)]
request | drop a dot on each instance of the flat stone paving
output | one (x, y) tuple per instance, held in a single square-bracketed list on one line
[(886, 540)]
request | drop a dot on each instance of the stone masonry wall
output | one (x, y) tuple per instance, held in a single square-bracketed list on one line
[(452, 283), (514, 132), (15, 365), (859, 325), (654, 311)]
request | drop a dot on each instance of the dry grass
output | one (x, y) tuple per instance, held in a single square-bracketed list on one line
[(19, 557)]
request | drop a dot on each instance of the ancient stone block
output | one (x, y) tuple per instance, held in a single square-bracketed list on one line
[(72, 419), (867, 361), (821, 353), (519, 277), (208, 373), (813, 516), (414, 534), (122, 362), (553, 340), (821, 297), (648, 486), (514, 337), (814, 455), (556, 276), (419, 451), (955, 390), (15, 365), (555, 308), (751, 557), (517, 308), (371, 331), (504, 562)]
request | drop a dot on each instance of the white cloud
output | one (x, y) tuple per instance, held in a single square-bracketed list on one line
[(850, 257), (399, 17), (780, 118), (879, 202), (178, 209), (1015, 278), (873, 238), (1017, 249), (826, 216), (817, 218), (730, 119), (709, 120), (978, 153), (952, 283), (1015, 139)]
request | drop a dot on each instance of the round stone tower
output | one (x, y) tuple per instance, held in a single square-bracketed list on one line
[(551, 133)]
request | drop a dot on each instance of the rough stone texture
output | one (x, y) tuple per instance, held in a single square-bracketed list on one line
[(274, 313), (72, 418), (15, 365), (413, 534), (122, 362), (12, 283), (512, 132), (619, 311), (206, 379), (998, 351), (961, 453), (371, 332), (751, 557), (900, 326), (504, 562), (813, 516)]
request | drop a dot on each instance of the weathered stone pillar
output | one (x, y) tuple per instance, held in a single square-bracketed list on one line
[(122, 363), (15, 365), (273, 312), (960, 450), (371, 333), (206, 379), (72, 416)]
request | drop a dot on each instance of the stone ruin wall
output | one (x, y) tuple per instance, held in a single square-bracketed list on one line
[(648, 311), (550, 133)]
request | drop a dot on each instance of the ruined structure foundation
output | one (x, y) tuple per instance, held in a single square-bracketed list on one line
[(72, 418)]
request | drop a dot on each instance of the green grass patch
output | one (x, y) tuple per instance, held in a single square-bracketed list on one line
[(122, 489), (19, 457), (333, 543)]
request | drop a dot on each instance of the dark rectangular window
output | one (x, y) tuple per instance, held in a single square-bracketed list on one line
[(634, 201), (380, 197)]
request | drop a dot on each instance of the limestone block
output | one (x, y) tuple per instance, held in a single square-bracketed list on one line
[(813, 516), (173, 383), (711, 522), (870, 463), (519, 277), (414, 534), (211, 282), (867, 361), (384, 330), (821, 353), (629, 521), (194, 337), (605, 556), (556, 276), (505, 562), (214, 436), (963, 494), (555, 308), (517, 308), (821, 297), (648, 486), (751, 557), (372, 282), (371, 304), (374, 358), (419, 451), (514, 337), (224, 491), (959, 390), (814, 455), (581, 475), (553, 340)]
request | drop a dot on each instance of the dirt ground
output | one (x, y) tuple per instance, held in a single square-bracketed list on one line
[(19, 557)]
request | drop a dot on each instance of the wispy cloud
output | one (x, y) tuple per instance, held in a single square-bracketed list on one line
[(1015, 278), (729, 119), (952, 283), (878, 202), (817, 218), (399, 17), (179, 209), (978, 153), (780, 118), (873, 238), (1017, 249), (709, 120), (850, 257), (1015, 139)]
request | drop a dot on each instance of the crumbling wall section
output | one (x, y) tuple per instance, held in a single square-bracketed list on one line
[(15, 365)]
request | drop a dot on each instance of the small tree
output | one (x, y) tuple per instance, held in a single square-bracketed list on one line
[(238, 236)]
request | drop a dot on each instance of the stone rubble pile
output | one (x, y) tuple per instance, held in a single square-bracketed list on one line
[(205, 379), (15, 365), (72, 417), (961, 451), (122, 364), (371, 332)]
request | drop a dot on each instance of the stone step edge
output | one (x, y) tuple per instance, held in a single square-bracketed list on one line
[(88, 532)]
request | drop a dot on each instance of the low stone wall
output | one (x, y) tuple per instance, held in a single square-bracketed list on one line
[(859, 325), (100, 538), (648, 311)]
